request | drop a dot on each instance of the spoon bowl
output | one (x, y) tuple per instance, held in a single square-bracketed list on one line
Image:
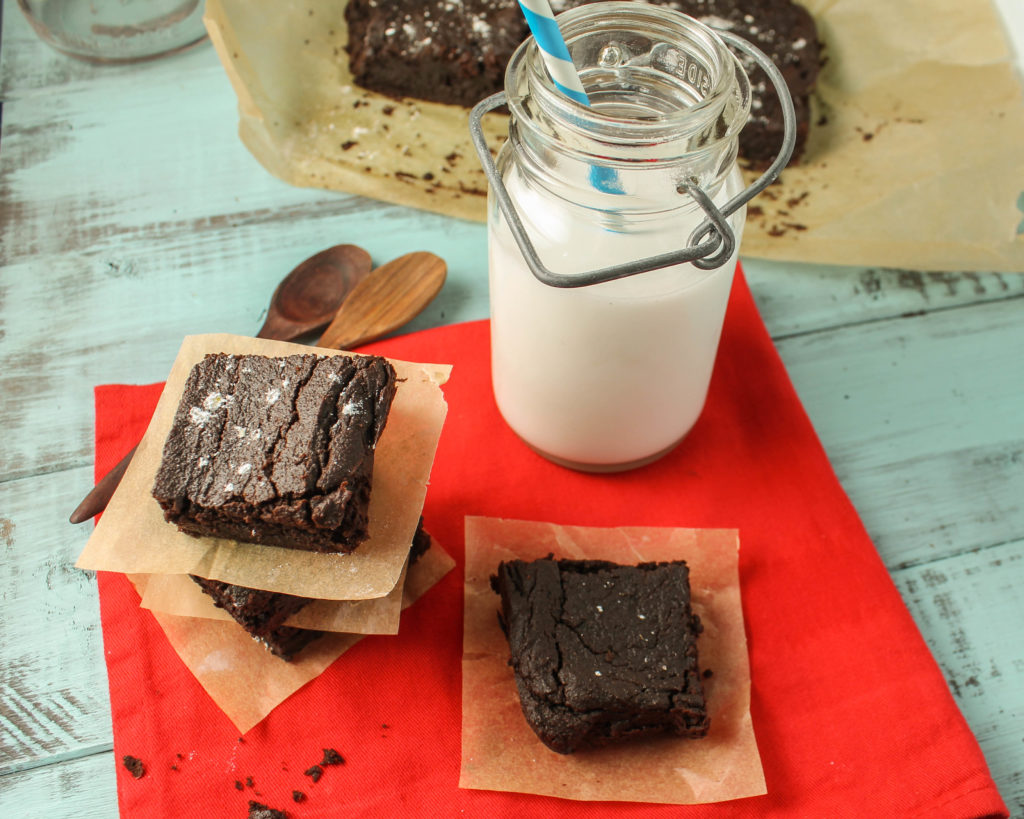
[(307, 298), (391, 296)]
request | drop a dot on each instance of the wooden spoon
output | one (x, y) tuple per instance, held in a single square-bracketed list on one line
[(390, 296), (403, 286), (307, 298)]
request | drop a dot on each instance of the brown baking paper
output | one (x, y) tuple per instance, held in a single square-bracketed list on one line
[(914, 158), (500, 751), (245, 680), (177, 594), (132, 536)]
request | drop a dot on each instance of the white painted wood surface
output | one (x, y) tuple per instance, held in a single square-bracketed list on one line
[(131, 215)]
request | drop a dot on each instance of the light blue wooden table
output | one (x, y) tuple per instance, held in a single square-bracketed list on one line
[(131, 215)]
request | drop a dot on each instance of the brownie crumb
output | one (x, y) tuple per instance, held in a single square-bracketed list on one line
[(249, 782), (298, 796), (314, 773), (174, 767), (332, 757), (796, 200), (257, 810), (134, 766), (238, 785)]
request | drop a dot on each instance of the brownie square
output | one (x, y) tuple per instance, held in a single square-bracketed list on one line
[(602, 653), (263, 613), (276, 451)]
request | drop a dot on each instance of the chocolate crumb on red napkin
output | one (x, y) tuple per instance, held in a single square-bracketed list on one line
[(257, 810), (134, 766), (852, 713)]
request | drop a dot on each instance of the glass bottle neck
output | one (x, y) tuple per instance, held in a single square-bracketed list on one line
[(668, 100)]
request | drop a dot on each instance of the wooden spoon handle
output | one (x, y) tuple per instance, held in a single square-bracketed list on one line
[(99, 496), (280, 329), (389, 297)]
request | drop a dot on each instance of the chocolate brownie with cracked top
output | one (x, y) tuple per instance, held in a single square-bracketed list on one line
[(601, 652), (276, 451), (456, 51), (450, 51)]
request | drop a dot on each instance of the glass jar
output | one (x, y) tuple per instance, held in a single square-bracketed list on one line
[(612, 375), (116, 31)]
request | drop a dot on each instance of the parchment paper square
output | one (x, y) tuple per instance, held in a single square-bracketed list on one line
[(132, 537), (501, 752), (245, 680)]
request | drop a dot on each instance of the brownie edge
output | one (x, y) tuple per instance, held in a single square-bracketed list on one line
[(276, 451), (263, 613), (602, 653)]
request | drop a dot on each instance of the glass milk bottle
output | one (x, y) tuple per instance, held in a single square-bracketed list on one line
[(611, 375)]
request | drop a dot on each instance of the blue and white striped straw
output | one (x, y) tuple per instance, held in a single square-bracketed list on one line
[(541, 20), (555, 54)]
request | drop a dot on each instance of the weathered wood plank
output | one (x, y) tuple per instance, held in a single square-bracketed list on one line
[(923, 420), (53, 685), (797, 298), (81, 788), (969, 609)]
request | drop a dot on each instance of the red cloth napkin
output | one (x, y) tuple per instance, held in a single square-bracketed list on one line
[(852, 715)]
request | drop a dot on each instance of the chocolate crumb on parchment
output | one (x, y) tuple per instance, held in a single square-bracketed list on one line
[(134, 766)]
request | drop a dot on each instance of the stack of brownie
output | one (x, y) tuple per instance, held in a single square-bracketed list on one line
[(276, 452), (456, 51)]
